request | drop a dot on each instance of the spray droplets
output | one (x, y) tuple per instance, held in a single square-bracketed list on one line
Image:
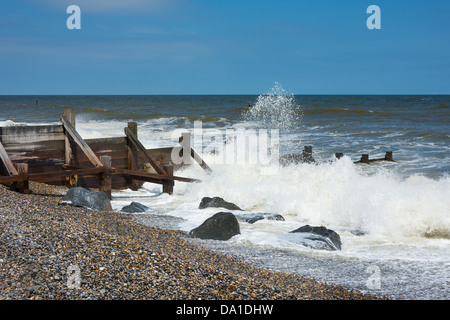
[(277, 109)]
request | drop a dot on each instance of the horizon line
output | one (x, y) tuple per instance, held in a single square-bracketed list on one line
[(226, 94)]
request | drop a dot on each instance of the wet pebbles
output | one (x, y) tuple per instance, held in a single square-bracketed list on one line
[(49, 251)]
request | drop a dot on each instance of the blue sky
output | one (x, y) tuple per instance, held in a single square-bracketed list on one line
[(224, 47)]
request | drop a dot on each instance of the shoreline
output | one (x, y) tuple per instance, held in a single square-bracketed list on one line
[(121, 259)]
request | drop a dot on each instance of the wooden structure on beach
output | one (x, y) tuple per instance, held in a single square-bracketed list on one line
[(307, 156), (58, 155)]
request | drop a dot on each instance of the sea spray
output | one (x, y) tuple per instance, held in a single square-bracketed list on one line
[(337, 194), (277, 109)]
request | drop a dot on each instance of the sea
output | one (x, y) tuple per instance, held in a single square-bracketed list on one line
[(393, 217)]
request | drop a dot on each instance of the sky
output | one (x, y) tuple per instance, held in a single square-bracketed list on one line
[(224, 47)]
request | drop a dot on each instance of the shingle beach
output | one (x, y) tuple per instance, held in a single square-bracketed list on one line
[(119, 259)]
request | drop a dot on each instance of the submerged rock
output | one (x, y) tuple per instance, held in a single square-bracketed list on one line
[(253, 217), (135, 207), (81, 197), (319, 238), (221, 226), (217, 202)]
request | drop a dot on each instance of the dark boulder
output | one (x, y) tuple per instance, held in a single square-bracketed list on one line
[(221, 226), (135, 207), (81, 197), (253, 217), (217, 202), (319, 237)]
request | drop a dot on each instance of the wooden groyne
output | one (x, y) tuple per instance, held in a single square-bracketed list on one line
[(307, 157), (58, 155)]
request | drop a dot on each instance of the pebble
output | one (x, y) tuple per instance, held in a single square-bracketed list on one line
[(113, 257)]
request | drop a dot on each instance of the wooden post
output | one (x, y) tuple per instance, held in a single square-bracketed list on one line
[(388, 156), (365, 158), (132, 156), (69, 147), (106, 176), (22, 186), (307, 154), (168, 186)]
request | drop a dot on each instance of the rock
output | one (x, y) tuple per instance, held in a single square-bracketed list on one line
[(327, 238), (358, 232), (217, 202), (135, 207), (81, 197), (253, 217), (221, 226)]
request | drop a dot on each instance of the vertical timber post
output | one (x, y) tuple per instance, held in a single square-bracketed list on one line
[(307, 154), (168, 186), (365, 158), (132, 157), (69, 114), (106, 176), (22, 186), (388, 156), (70, 148)]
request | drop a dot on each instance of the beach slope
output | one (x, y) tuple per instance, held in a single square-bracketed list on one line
[(54, 252)]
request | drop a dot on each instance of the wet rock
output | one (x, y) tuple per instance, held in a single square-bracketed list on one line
[(319, 238), (81, 197), (253, 217), (221, 226), (217, 202), (135, 207), (358, 232)]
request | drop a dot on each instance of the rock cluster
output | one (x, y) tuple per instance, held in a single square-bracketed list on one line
[(223, 226)]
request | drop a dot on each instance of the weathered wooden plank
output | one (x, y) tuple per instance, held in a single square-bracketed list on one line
[(151, 177), (29, 134), (113, 143), (6, 161), (51, 176), (200, 161), (162, 155), (81, 143), (365, 158), (31, 130), (155, 164)]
